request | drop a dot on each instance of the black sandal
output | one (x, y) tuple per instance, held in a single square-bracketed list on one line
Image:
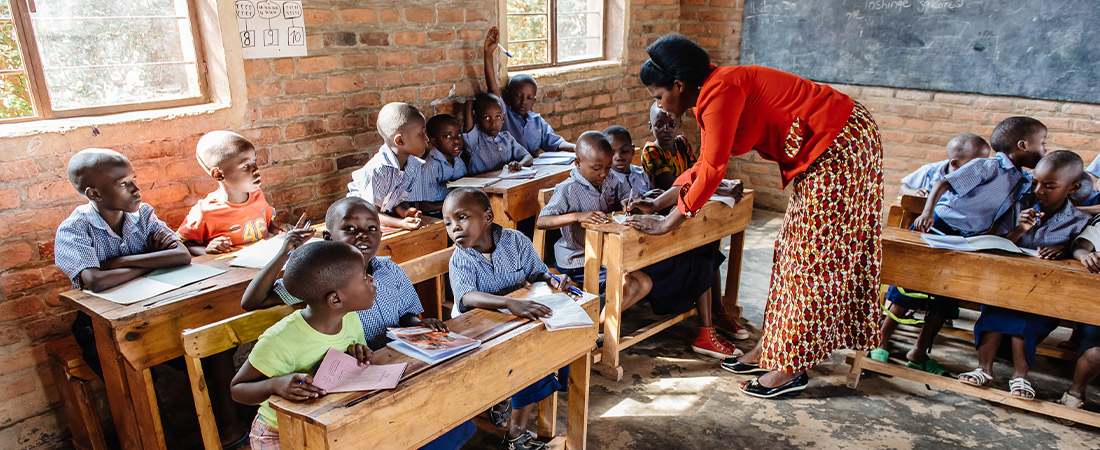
[(524, 441), (500, 418), (789, 389)]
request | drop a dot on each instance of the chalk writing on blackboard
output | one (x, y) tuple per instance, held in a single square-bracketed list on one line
[(271, 29)]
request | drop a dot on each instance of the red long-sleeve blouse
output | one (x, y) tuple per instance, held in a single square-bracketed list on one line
[(785, 118)]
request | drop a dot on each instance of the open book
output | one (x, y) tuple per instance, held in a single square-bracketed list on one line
[(258, 254), (427, 345), (472, 182), (523, 172), (157, 282), (340, 372), (975, 243), (555, 158)]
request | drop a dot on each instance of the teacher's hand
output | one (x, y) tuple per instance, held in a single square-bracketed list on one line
[(652, 223), (642, 206), (731, 188)]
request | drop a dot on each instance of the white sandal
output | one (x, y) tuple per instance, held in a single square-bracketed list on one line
[(976, 377), (1017, 387)]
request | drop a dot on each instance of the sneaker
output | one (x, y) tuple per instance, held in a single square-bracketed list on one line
[(731, 327), (709, 343), (524, 441)]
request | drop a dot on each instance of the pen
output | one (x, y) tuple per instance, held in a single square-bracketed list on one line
[(306, 226), (934, 230), (504, 50), (571, 288)]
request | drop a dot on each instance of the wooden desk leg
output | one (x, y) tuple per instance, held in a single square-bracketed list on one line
[(733, 276), (576, 434), (548, 416), (853, 374), (609, 363), (431, 293), (118, 389), (144, 397), (500, 211)]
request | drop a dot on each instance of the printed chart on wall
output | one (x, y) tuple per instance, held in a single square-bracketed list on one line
[(271, 29)]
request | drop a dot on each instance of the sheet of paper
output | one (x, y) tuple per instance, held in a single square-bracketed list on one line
[(729, 201), (947, 242), (989, 242), (184, 275), (271, 29), (570, 155), (134, 290), (259, 254), (525, 172), (566, 312), (544, 160), (471, 182), (339, 372)]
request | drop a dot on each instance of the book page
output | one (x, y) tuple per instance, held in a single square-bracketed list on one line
[(471, 182), (566, 312), (525, 172), (134, 291), (990, 242), (340, 372), (257, 255), (184, 275), (947, 242)]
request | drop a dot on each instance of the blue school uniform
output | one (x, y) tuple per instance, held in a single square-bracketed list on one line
[(431, 185), (532, 132), (636, 181), (576, 194), (383, 182), (84, 240), (396, 299), (981, 192), (1086, 195), (488, 153), (1094, 167), (927, 175), (1056, 228), (513, 265)]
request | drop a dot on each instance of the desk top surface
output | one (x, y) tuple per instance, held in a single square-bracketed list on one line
[(712, 210), (503, 186), (996, 260)]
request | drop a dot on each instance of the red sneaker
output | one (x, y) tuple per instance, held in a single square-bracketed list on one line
[(709, 343), (730, 326)]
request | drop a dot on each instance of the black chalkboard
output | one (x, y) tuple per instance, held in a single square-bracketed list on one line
[(1047, 49)]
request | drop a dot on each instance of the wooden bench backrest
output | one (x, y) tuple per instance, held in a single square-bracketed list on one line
[(903, 213), (428, 266), (539, 236)]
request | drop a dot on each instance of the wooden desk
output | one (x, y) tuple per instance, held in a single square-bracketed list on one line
[(1061, 289), (431, 400), (905, 211), (623, 249), (515, 200)]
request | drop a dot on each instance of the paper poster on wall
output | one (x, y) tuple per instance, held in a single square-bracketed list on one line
[(271, 29)]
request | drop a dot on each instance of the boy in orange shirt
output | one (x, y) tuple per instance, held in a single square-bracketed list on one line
[(235, 214)]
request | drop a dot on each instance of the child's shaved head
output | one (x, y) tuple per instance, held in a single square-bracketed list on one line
[(340, 208), (593, 143), (394, 117), (218, 146), (318, 268), (468, 196), (483, 101), (654, 111), (1007, 134), (967, 146), (1064, 162), (86, 164)]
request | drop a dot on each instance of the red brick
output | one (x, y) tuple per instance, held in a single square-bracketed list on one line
[(359, 60), (263, 90), (292, 195), (1036, 105), (441, 36), (345, 83), (284, 66), (608, 112), (361, 100), (409, 38), (316, 64), (1082, 110), (471, 34), (388, 15), (905, 94), (400, 95), (475, 15), (255, 68), (420, 15), (204, 187), (896, 136), (993, 104), (166, 194), (275, 175), (291, 152), (1070, 140), (304, 86), (462, 54), (9, 198), (324, 105), (951, 127), (261, 136), (16, 282), (31, 221), (346, 123), (957, 99), (15, 255), (396, 59), (334, 186), (18, 169), (1088, 126), (964, 114), (431, 56), (449, 73), (334, 144), (318, 16), (303, 129), (451, 15), (152, 149), (358, 15), (918, 125), (280, 110), (314, 167), (436, 92), (10, 335), (181, 170), (877, 92), (417, 76)]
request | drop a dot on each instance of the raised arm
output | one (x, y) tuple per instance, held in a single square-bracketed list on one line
[(260, 293), (467, 118), (492, 39)]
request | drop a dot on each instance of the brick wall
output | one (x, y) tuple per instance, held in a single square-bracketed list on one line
[(312, 120)]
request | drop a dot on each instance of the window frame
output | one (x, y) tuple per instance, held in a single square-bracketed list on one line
[(552, 18), (36, 81)]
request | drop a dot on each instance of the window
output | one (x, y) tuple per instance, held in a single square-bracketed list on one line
[(546, 33), (66, 58)]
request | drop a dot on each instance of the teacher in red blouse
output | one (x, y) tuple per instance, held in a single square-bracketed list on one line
[(825, 277)]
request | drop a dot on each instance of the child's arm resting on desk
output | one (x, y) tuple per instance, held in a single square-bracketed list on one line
[(413, 320), (518, 306), (220, 244), (906, 190), (553, 222), (925, 221), (252, 387), (260, 293), (1087, 253), (166, 251)]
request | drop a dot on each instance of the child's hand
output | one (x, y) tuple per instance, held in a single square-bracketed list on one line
[(361, 354), (411, 223), (1028, 219), (922, 192), (1051, 252), (563, 285), (514, 166), (593, 217), (295, 238), (162, 240), (923, 223), (297, 387), (1091, 261), (220, 244), (653, 193), (414, 213), (491, 39), (528, 309), (434, 324)]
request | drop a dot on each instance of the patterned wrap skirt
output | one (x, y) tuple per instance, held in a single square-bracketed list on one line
[(825, 279)]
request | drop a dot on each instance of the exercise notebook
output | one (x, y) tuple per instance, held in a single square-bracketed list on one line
[(975, 243), (157, 282), (523, 172), (257, 255), (428, 345), (340, 372), (472, 182)]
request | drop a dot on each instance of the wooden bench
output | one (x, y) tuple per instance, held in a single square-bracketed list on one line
[(903, 213), (73, 378), (1061, 289)]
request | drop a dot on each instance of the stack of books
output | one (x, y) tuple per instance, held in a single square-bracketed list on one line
[(428, 345)]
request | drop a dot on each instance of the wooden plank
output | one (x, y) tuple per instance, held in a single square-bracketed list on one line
[(649, 330), (208, 426), (613, 311), (229, 333), (428, 266), (548, 416), (580, 372), (990, 394), (145, 407), (733, 276), (405, 245), (118, 388)]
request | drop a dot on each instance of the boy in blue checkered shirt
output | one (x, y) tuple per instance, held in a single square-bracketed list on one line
[(354, 221), (489, 263), (112, 239), (445, 162), (961, 149), (387, 180)]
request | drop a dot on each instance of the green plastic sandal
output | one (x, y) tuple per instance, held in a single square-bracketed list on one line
[(931, 366), (880, 354)]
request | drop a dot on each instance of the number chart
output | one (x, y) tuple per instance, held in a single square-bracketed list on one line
[(271, 29)]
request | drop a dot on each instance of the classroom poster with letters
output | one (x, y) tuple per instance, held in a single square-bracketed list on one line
[(271, 29)]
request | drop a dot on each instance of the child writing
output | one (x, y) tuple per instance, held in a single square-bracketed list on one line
[(488, 263), (328, 278), (353, 221), (387, 180), (491, 148), (668, 156), (520, 94), (444, 162), (1047, 222), (967, 201), (961, 149), (629, 175), (235, 214)]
